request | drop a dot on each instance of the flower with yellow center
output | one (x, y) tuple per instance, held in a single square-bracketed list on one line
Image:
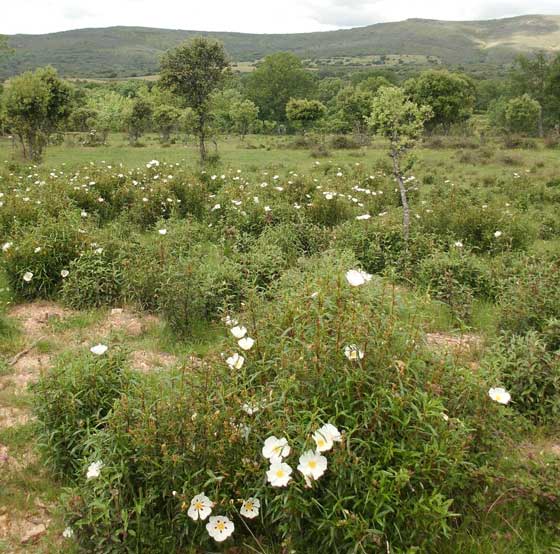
[(326, 436), (279, 474), (250, 508), (499, 395), (200, 508), (276, 448), (312, 464), (353, 353), (220, 528)]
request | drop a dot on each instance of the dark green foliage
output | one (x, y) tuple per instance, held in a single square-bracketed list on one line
[(70, 402), (194, 288), (531, 301), (44, 253), (138, 120), (36, 105), (456, 278), (193, 72), (278, 78), (531, 373), (95, 279), (451, 96)]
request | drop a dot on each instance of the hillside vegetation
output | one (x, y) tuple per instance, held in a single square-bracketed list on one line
[(129, 51)]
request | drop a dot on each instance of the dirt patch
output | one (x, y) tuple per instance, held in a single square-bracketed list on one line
[(35, 317), (453, 343), (13, 417), (541, 449), (144, 360), (127, 321), (23, 529)]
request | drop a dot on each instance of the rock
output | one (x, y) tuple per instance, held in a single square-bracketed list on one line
[(33, 533)]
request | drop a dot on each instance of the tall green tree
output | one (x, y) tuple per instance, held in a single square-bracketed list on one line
[(520, 115), (244, 115), (451, 96), (530, 76), (305, 112), (395, 117), (36, 105), (138, 119), (166, 119), (194, 71), (354, 106), (278, 78)]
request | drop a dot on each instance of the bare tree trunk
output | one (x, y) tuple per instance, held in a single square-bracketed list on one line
[(404, 199), (202, 137)]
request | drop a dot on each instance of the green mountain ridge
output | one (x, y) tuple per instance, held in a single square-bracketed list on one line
[(129, 51)]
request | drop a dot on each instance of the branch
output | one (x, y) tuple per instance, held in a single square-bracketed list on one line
[(19, 355)]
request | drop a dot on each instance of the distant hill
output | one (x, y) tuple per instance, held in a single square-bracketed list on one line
[(135, 51)]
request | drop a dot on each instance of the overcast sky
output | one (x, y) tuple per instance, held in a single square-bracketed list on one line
[(255, 16)]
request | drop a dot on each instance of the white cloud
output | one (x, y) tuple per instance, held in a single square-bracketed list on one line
[(257, 16)]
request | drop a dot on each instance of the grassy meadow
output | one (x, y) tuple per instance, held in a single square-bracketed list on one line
[(160, 322)]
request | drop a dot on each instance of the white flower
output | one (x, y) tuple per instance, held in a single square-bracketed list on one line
[(246, 343), (37, 250), (6, 246), (98, 250), (98, 349), (250, 508), (64, 273), (27, 276), (275, 448), (312, 464), (499, 395), (250, 408), (94, 470), (364, 217), (229, 321), (235, 361), (200, 508), (353, 353), (162, 231), (220, 528), (68, 533), (279, 474), (357, 278), (458, 244), (326, 436), (239, 331), (498, 234)]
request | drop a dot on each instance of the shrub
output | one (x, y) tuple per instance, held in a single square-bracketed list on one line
[(458, 218), (530, 373), (380, 247), (196, 286), (344, 142), (531, 301), (456, 278), (95, 279), (193, 433), (70, 401), (35, 260)]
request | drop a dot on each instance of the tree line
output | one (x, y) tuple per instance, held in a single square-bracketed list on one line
[(197, 94)]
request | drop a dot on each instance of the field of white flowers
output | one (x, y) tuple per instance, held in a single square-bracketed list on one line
[(333, 386)]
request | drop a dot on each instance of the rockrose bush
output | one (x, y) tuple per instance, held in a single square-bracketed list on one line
[(71, 401), (37, 261), (322, 425)]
